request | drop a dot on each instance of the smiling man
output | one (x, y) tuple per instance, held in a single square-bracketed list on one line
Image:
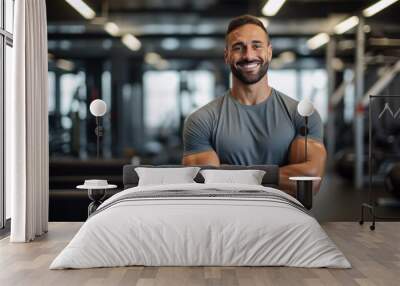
[(253, 123)]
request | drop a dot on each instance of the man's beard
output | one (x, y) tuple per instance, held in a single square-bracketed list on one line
[(250, 79)]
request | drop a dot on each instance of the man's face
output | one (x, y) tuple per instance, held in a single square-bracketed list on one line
[(248, 52)]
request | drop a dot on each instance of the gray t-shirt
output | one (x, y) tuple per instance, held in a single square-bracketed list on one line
[(248, 134)]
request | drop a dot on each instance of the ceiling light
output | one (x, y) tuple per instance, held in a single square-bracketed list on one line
[(131, 42), (65, 65), (272, 7), (377, 7), (159, 29), (71, 29), (385, 42), (346, 25), (202, 43), (205, 28), (112, 29), (185, 29), (287, 57), (152, 58), (82, 8), (170, 44), (318, 41)]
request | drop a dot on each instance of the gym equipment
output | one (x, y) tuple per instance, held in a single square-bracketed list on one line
[(392, 180)]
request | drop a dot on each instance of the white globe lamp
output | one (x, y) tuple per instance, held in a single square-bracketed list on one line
[(305, 108), (98, 108)]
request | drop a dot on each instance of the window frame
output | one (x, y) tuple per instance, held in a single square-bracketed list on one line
[(6, 39)]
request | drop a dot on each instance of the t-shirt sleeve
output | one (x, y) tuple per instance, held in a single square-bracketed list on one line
[(315, 127), (197, 132)]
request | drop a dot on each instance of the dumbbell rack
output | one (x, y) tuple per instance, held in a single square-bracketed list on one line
[(372, 205)]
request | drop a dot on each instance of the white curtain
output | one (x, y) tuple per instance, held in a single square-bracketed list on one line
[(27, 124)]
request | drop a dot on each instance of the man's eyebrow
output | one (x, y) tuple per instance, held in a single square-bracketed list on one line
[(238, 43), (242, 43)]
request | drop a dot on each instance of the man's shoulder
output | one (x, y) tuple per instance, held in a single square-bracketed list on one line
[(208, 111), (289, 102)]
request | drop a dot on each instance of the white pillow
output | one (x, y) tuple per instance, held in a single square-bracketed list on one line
[(248, 177), (165, 176)]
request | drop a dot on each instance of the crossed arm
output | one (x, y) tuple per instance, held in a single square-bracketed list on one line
[(315, 165)]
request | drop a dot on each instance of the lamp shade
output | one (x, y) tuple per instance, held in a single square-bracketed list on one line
[(305, 108), (98, 107)]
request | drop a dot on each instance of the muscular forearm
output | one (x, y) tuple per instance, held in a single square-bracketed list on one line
[(314, 166), (300, 169), (203, 158)]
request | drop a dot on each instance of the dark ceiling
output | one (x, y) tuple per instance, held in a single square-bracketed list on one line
[(153, 21), (59, 10)]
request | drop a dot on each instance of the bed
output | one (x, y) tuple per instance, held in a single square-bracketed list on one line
[(197, 224)]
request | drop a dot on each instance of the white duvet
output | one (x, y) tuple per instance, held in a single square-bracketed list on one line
[(200, 231)]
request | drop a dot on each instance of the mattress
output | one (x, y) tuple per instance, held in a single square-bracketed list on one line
[(201, 225)]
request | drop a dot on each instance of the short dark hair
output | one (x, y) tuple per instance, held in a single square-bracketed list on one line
[(244, 20)]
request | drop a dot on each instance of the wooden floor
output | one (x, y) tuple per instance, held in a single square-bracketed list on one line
[(375, 256)]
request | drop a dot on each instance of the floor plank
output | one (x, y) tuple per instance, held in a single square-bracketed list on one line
[(375, 257)]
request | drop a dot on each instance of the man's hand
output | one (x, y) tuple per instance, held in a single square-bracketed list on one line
[(209, 157), (315, 165)]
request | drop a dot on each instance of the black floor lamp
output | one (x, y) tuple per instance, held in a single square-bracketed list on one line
[(305, 108), (97, 188), (98, 108), (304, 183)]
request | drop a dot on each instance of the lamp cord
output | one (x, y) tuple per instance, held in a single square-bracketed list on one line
[(97, 134), (305, 135)]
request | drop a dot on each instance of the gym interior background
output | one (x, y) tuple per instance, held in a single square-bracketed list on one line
[(154, 62)]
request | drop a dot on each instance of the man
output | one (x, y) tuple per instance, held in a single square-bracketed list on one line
[(253, 123)]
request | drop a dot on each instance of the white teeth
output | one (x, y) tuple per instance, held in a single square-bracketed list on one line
[(250, 66)]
